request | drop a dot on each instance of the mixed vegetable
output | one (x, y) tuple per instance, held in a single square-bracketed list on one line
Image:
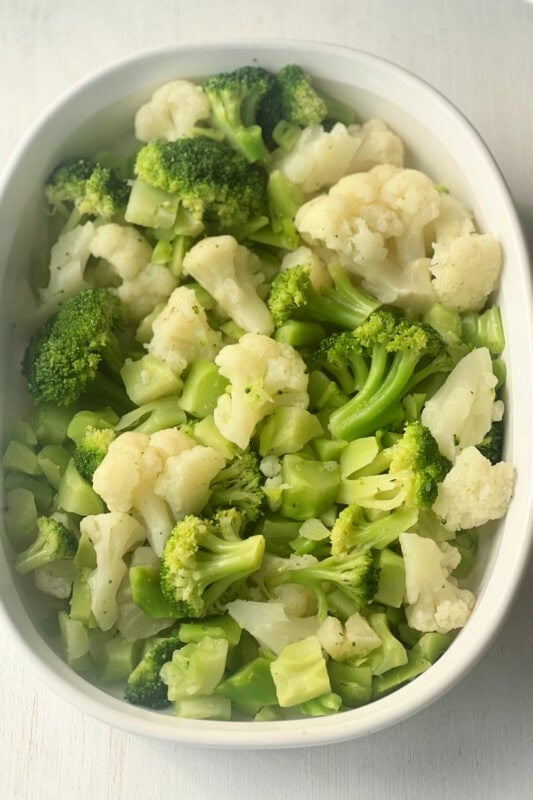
[(266, 428)]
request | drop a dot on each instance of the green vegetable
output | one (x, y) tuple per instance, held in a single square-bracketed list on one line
[(87, 186), (299, 673), (311, 487), (53, 541), (145, 686), (203, 387), (287, 430), (92, 450), (148, 379)]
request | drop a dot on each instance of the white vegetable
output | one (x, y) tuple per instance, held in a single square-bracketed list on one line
[(474, 491), (231, 274), (68, 259), (112, 535), (434, 601), (354, 639), (123, 246), (263, 373), (373, 222), (55, 578), (142, 293), (181, 332), (173, 111), (377, 145), (318, 158), (298, 600), (184, 481), (461, 412), (269, 623)]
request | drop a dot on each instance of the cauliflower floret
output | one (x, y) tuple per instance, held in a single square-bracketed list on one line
[(173, 111), (434, 601), (352, 640), (123, 246), (263, 374), (461, 412), (112, 536), (68, 259), (298, 600), (318, 158), (466, 267), (270, 624), (304, 256), (181, 332), (373, 222), (125, 481), (474, 491), (231, 274), (184, 481), (142, 293), (377, 145)]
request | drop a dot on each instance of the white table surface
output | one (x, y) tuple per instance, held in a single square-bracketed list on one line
[(477, 742)]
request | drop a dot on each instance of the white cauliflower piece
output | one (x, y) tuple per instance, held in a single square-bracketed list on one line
[(270, 624), (354, 639), (263, 374), (125, 481), (55, 578), (185, 478), (141, 294), (181, 332), (318, 158), (304, 256), (298, 600), (374, 223), (377, 145), (68, 259), (474, 491), (231, 274), (112, 535), (124, 247), (462, 410), (466, 267), (434, 601), (173, 112)]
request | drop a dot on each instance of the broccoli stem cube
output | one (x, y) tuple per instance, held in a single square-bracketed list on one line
[(278, 534), (207, 433), (329, 703), (146, 592), (352, 683), (484, 330), (300, 334), (328, 449), (431, 646), (115, 657), (219, 627), (151, 207), (22, 431), (203, 387), (251, 685), (148, 379), (20, 518), (74, 642), (52, 423), (154, 416), (21, 458), (311, 487), (287, 430), (53, 460), (299, 673), (212, 707), (324, 393), (393, 678), (76, 496), (391, 588), (391, 653), (42, 492), (467, 544)]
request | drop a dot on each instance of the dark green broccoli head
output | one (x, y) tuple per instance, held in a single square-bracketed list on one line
[(417, 454), (144, 686), (341, 355), (234, 98), (214, 182), (239, 486), (291, 100), (92, 449), (88, 186), (53, 541), (64, 354), (199, 565), (492, 445)]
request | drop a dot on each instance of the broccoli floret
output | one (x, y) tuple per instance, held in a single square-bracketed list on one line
[(353, 530), (92, 449), (291, 101), (53, 541), (492, 445), (144, 686), (66, 356), (214, 182), (340, 355), (87, 186), (417, 455), (200, 564), (356, 574), (239, 485), (234, 98), (397, 351), (293, 296)]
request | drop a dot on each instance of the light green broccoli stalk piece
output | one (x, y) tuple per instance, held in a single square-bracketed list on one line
[(353, 531), (54, 541), (87, 186), (211, 180), (418, 456), (199, 565), (145, 686), (234, 98), (92, 449), (293, 296), (356, 574), (68, 355), (239, 486)]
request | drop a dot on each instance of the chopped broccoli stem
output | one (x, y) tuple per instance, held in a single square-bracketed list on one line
[(328, 449), (287, 430), (53, 460), (219, 627), (20, 517), (207, 433), (52, 423), (145, 686), (324, 393), (148, 379), (329, 703), (397, 676), (391, 653), (352, 683), (203, 387), (115, 658), (146, 592), (310, 487), (211, 707), (196, 669), (252, 684), (391, 588), (53, 541), (484, 330), (74, 642), (84, 564), (23, 432), (151, 207), (42, 491), (80, 422), (300, 334), (431, 646), (75, 495), (299, 673), (152, 417), (467, 544), (21, 458)]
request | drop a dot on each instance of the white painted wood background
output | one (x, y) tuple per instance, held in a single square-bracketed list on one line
[(477, 742)]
